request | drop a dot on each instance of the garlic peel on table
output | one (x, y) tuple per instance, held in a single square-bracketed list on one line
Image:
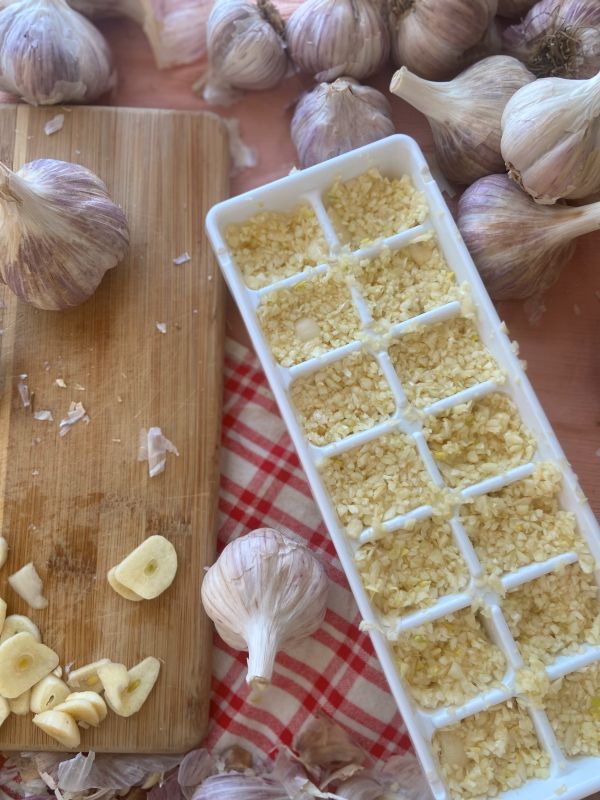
[(264, 593), (59, 232)]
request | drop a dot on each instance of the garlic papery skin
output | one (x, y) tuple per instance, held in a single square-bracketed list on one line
[(331, 38), (50, 54), (336, 117), (59, 233), (264, 593), (240, 786), (514, 9), (432, 37), (519, 246), (245, 49), (465, 113), (551, 138), (558, 38)]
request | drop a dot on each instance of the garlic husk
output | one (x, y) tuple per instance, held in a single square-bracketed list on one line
[(514, 9), (51, 54), (60, 232), (465, 113), (264, 593), (519, 246), (558, 38), (237, 786), (336, 117), (551, 138), (245, 49), (432, 37), (331, 38)]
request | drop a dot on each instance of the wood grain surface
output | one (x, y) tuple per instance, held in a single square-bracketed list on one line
[(76, 505)]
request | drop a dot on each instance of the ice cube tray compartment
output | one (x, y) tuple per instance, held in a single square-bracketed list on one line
[(573, 778)]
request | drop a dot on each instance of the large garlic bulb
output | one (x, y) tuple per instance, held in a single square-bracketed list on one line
[(465, 113), (519, 246), (264, 593), (558, 38), (336, 117), (331, 38), (432, 37), (59, 233), (50, 54), (551, 138)]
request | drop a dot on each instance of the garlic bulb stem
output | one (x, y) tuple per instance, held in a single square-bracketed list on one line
[(263, 644)]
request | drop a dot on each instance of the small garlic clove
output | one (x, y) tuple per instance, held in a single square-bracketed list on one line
[(337, 117)]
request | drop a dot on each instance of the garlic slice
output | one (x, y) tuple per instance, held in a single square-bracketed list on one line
[(127, 691), (149, 569), (23, 662), (28, 585), (20, 705), (3, 553), (3, 608), (18, 623), (119, 588), (59, 726), (87, 678), (86, 707), (47, 694), (4, 710)]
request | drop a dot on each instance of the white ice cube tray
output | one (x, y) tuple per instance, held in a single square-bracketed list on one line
[(570, 778)]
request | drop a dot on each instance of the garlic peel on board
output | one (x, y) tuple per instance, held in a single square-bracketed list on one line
[(264, 593), (59, 233)]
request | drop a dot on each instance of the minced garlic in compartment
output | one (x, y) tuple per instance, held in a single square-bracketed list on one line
[(411, 568), (573, 708), (479, 439), (436, 361), (308, 319), (554, 615), (343, 398), (371, 207), (272, 245), (491, 752)]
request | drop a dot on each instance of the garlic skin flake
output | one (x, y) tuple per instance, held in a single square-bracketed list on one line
[(551, 138), (346, 37), (59, 233), (465, 113), (51, 54), (336, 117), (265, 592), (153, 448), (519, 246)]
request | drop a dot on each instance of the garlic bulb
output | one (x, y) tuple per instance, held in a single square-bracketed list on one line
[(264, 593), (432, 37), (245, 48), (519, 247), (330, 38), (59, 231), (513, 9), (558, 38), (551, 138), (337, 117), (464, 114), (50, 54)]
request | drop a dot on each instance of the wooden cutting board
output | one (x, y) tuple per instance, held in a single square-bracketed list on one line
[(76, 505)]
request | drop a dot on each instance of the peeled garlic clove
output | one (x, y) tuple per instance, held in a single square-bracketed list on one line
[(551, 138), (558, 38), (465, 113), (265, 593), (59, 233), (514, 9), (519, 246), (432, 37), (59, 726), (337, 117), (27, 584), (347, 37), (50, 54)]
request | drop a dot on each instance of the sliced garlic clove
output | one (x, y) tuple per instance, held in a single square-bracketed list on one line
[(81, 710), (4, 710), (140, 682), (119, 588), (150, 568), (20, 705), (93, 698), (59, 726), (47, 694), (114, 679), (3, 551), (18, 623), (27, 584), (86, 677), (58, 671), (23, 662)]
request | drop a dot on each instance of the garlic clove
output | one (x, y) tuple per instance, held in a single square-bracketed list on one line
[(133, 693), (60, 232), (465, 113), (81, 709), (93, 698), (47, 694), (86, 678), (27, 584), (59, 726), (17, 623), (23, 662), (51, 54), (149, 569), (336, 117), (20, 705)]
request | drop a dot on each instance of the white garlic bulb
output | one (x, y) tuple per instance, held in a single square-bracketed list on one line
[(432, 37), (331, 38), (337, 117), (245, 48), (519, 246), (551, 138), (513, 9), (264, 593), (465, 113), (59, 233), (558, 38), (50, 54)]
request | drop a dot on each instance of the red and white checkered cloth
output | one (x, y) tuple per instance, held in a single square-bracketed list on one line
[(335, 671)]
